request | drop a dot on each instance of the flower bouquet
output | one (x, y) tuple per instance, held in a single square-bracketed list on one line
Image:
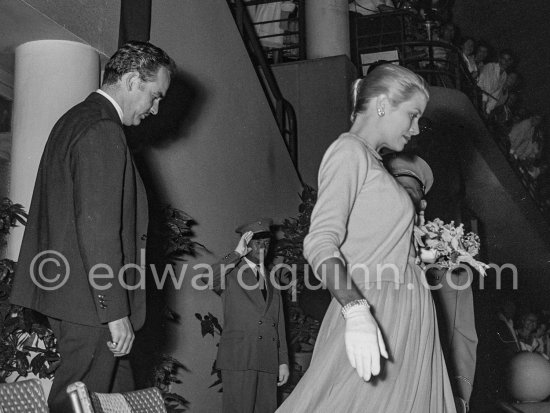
[(447, 245)]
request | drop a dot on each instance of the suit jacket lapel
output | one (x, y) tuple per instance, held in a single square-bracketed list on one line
[(249, 280)]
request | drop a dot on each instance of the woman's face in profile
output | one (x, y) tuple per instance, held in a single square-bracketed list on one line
[(400, 123)]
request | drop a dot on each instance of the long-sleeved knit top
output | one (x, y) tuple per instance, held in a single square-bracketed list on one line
[(362, 215)]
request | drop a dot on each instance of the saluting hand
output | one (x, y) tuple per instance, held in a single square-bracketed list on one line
[(242, 247)]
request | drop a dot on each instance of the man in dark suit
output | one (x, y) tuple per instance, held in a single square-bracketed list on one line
[(454, 302), (81, 260), (252, 355)]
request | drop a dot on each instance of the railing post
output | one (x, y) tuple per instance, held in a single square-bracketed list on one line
[(239, 10), (302, 28)]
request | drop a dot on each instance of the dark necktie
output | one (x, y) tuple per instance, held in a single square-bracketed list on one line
[(261, 283)]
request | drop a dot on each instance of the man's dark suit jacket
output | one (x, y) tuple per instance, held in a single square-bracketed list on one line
[(89, 204), (253, 335)]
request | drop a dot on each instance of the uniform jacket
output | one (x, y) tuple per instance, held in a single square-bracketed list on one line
[(253, 335), (89, 205)]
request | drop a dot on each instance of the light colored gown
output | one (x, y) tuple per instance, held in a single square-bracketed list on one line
[(363, 216)]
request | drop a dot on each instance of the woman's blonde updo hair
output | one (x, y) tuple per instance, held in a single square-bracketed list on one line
[(396, 82)]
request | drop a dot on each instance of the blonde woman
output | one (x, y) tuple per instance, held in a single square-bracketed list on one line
[(378, 349)]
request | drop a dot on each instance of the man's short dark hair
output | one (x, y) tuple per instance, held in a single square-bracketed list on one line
[(141, 57)]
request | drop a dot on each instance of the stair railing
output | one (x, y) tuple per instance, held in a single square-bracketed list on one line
[(282, 109)]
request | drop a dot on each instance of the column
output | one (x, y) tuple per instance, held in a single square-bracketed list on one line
[(51, 76), (327, 28)]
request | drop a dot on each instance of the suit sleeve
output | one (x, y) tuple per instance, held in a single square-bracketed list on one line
[(220, 270), (98, 163), (283, 346)]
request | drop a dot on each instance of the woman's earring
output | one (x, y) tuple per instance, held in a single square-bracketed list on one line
[(380, 112)]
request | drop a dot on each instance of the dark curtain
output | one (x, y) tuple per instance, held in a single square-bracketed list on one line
[(135, 21)]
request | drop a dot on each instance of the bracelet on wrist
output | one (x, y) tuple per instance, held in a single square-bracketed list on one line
[(353, 304)]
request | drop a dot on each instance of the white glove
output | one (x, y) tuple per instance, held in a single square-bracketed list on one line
[(242, 247), (364, 342)]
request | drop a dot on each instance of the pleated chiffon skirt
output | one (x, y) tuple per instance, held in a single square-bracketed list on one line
[(413, 380)]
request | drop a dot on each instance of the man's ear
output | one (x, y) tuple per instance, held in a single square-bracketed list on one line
[(423, 204), (131, 80)]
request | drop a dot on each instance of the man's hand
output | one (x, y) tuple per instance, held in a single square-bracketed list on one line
[(284, 373), (242, 247), (122, 337), (364, 342)]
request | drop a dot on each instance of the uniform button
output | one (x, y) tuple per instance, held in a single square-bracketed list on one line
[(273, 325), (260, 322), (143, 237), (259, 337)]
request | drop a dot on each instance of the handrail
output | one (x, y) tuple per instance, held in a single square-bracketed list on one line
[(282, 109), (419, 56)]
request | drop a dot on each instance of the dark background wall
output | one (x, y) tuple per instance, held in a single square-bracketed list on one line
[(318, 90), (217, 154), (521, 26)]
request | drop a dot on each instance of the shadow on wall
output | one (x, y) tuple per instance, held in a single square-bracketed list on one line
[(177, 113)]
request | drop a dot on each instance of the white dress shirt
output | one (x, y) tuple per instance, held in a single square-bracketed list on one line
[(110, 99)]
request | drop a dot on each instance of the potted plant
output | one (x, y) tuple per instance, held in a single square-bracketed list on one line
[(27, 344), (302, 329), (174, 237)]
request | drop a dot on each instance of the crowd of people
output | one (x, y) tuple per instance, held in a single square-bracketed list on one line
[(520, 132), (526, 330), (511, 332)]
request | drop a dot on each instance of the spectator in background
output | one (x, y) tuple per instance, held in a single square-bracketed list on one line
[(526, 333), (492, 79), (505, 115), (446, 34), (541, 336), (502, 346), (467, 46), (367, 7), (480, 55), (526, 139), (511, 84), (252, 354), (271, 20), (442, 56), (453, 297), (506, 332)]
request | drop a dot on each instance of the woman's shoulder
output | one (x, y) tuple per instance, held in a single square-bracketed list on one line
[(351, 149), (350, 142)]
